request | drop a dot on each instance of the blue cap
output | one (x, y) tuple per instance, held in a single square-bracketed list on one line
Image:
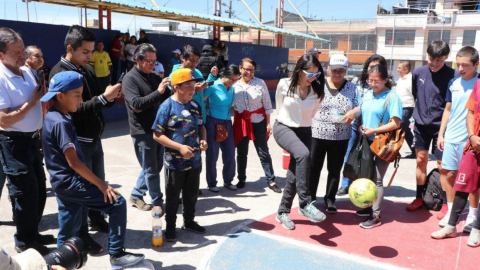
[(63, 82)]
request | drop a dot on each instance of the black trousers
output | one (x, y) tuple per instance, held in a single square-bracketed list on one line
[(22, 162), (335, 152), (459, 204), (187, 182), (114, 74)]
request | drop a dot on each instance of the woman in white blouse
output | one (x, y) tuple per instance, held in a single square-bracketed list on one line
[(252, 122), (298, 99)]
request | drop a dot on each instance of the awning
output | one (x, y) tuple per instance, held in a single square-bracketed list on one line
[(138, 9)]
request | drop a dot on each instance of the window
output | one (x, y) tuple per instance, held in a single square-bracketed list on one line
[(293, 42), (362, 42), (469, 37), (325, 45), (264, 42), (438, 35), (402, 37)]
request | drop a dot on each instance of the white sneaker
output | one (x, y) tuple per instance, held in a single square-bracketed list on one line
[(469, 223), (444, 220)]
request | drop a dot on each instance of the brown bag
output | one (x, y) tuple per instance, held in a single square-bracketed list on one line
[(386, 146), (221, 133)]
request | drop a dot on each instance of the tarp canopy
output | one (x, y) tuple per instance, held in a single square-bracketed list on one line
[(140, 9)]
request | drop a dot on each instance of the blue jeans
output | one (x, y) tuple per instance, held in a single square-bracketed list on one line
[(93, 155), (260, 142), (150, 156), (71, 204), (228, 152), (345, 181), (3, 178)]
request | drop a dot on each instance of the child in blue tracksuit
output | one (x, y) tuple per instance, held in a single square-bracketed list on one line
[(74, 184)]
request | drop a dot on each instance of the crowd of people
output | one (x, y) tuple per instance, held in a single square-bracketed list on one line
[(174, 118)]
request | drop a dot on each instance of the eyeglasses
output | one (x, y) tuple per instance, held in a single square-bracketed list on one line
[(250, 70), (151, 62), (375, 82), (311, 75)]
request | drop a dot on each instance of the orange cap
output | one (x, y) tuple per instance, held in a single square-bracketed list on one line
[(183, 75)]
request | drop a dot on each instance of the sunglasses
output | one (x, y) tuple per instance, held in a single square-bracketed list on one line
[(312, 75), (375, 82)]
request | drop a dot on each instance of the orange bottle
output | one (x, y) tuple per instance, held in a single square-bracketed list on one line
[(157, 237)]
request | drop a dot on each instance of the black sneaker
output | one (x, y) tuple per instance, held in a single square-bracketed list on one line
[(125, 259), (330, 208), (97, 222), (193, 227), (170, 235), (45, 239), (241, 184), (366, 212), (200, 192), (90, 245), (371, 222), (273, 186), (342, 191), (40, 248)]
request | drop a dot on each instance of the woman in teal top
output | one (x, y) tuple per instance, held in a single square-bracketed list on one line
[(220, 98), (372, 111)]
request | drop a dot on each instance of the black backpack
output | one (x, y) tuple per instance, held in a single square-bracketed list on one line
[(432, 197)]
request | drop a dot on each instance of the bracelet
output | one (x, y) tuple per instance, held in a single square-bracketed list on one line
[(471, 136)]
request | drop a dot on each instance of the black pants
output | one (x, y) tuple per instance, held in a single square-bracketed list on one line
[(297, 142), (114, 69), (22, 163), (335, 152), (459, 204), (405, 124), (187, 182)]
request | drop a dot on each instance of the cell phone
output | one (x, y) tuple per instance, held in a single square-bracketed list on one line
[(210, 83), (120, 80)]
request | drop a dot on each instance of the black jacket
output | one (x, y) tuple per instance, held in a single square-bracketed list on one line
[(142, 99), (208, 60), (88, 119)]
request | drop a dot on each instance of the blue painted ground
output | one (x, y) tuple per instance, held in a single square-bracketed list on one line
[(247, 250)]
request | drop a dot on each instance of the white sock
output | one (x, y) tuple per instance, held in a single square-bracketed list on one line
[(450, 205), (472, 211)]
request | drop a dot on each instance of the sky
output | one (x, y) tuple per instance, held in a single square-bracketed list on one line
[(318, 9)]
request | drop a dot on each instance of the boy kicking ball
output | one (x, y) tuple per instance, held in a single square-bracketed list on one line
[(179, 127), (74, 184)]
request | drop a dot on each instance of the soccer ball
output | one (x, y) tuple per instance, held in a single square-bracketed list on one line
[(363, 192)]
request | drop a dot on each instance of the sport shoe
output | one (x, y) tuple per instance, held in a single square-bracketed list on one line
[(330, 208), (312, 213), (125, 259), (230, 186), (417, 203), (286, 222), (170, 235), (140, 204), (371, 222), (469, 223), (200, 192), (366, 212), (442, 212), (40, 248), (241, 184), (444, 221), (446, 232), (214, 189), (342, 191), (411, 156), (474, 238), (90, 245), (273, 186), (158, 210), (193, 226), (97, 222)]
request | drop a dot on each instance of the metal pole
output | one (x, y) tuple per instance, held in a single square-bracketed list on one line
[(230, 16), (85, 16), (260, 19), (393, 43), (349, 39), (28, 12)]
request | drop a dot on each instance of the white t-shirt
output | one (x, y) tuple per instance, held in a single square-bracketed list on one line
[(404, 91), (14, 92), (131, 49), (292, 110)]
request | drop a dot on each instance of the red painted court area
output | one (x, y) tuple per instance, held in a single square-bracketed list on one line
[(402, 240)]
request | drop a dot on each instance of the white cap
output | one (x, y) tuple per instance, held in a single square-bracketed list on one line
[(338, 61), (177, 51)]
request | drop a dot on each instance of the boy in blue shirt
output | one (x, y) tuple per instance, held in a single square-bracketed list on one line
[(74, 184), (179, 126), (453, 133)]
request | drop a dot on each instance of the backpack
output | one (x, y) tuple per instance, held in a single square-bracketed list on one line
[(432, 197)]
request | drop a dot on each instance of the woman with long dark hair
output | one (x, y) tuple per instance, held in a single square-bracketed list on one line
[(221, 97), (298, 99), (373, 108), (362, 88)]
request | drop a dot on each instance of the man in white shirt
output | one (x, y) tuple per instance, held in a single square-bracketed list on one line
[(404, 90), (20, 121)]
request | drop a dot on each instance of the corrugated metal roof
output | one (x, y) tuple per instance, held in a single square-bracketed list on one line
[(142, 9)]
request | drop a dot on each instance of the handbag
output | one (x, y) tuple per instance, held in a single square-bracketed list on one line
[(360, 160), (386, 146), (221, 133)]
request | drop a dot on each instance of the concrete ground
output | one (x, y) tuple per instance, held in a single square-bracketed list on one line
[(221, 213)]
